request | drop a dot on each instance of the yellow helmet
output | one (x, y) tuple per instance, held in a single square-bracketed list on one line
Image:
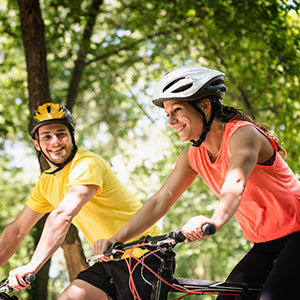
[(50, 113)]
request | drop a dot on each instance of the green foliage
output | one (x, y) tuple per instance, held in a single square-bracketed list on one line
[(13, 193), (255, 42)]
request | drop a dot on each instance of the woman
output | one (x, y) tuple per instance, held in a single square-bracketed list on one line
[(240, 162)]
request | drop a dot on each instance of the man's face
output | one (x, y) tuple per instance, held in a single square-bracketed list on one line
[(55, 141)]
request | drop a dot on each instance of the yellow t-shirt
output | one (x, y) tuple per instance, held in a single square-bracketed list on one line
[(106, 213)]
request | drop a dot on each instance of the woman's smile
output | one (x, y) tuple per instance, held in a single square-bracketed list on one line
[(184, 119)]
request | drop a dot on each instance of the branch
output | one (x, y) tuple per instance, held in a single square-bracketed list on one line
[(83, 50), (140, 106), (130, 45), (242, 91)]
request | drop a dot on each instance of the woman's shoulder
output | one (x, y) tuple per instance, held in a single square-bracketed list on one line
[(234, 125)]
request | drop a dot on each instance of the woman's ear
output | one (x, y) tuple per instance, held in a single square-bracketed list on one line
[(205, 106)]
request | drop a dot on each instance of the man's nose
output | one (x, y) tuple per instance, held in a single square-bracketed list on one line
[(55, 139)]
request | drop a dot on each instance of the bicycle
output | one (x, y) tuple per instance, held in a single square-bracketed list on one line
[(164, 283), (5, 289)]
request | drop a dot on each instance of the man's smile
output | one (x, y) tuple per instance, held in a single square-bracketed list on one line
[(56, 150)]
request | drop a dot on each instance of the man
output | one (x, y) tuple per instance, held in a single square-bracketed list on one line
[(79, 188)]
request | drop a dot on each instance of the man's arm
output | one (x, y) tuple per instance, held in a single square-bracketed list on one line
[(14, 233), (54, 232)]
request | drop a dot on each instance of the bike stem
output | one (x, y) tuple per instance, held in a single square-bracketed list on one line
[(165, 271)]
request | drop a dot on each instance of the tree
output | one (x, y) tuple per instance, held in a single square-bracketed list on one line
[(38, 86)]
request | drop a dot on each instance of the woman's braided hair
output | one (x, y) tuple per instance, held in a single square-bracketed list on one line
[(228, 114)]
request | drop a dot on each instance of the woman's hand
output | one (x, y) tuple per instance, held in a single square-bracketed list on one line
[(193, 228)]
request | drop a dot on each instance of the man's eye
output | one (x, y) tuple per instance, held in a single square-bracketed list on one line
[(46, 137)]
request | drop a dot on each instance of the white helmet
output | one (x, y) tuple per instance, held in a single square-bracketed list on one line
[(189, 84)]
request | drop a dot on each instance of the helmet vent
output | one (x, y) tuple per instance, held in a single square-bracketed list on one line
[(217, 82), (183, 88), (172, 83), (48, 109)]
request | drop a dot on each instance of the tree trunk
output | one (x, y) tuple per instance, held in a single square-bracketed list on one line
[(33, 35), (73, 252), (32, 28)]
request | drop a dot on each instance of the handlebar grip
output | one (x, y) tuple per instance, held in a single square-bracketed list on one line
[(208, 229), (29, 278), (177, 235)]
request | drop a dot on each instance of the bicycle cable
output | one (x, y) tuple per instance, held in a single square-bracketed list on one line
[(139, 261)]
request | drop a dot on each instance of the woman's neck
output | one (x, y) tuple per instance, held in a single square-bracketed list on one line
[(213, 139)]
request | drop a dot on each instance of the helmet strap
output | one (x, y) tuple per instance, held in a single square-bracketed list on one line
[(61, 166), (206, 124)]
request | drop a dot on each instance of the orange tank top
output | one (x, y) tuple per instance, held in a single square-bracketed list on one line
[(270, 206)]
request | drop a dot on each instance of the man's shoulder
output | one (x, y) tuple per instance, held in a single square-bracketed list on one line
[(85, 154), (88, 157)]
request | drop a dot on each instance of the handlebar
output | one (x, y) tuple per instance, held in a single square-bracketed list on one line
[(178, 236), (151, 243), (4, 288), (208, 229), (29, 278)]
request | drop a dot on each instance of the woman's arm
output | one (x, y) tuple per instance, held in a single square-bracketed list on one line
[(157, 206), (248, 146)]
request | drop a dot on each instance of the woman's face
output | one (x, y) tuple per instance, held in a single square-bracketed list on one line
[(184, 119)]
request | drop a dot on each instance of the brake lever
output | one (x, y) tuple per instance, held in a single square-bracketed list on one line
[(167, 241), (4, 286), (7, 297), (111, 251)]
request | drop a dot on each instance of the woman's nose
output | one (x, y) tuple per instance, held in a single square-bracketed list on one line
[(171, 120)]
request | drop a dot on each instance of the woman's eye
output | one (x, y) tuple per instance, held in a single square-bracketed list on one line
[(174, 111)]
